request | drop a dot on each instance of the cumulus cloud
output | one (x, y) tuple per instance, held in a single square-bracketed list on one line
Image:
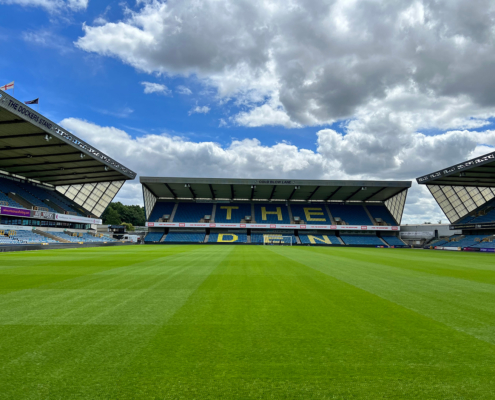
[(51, 5), (318, 61), (334, 158), (200, 110), (150, 87)]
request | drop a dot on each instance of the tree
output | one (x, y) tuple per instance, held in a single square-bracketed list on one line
[(112, 217), (129, 226), (131, 214)]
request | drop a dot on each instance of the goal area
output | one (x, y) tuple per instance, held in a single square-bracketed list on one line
[(277, 240)]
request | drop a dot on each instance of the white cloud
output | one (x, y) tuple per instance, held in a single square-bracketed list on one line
[(183, 90), (299, 63), (200, 110), (336, 157), (150, 87), (51, 5)]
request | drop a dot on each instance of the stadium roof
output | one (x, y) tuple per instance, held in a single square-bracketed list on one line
[(463, 189), (33, 147), (273, 189), (479, 171)]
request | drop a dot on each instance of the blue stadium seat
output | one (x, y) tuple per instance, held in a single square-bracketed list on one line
[(351, 214), (29, 237), (383, 213), (318, 239), (227, 238), (153, 236), (6, 199), (20, 189), (192, 212), (232, 212), (271, 213), (185, 237), (488, 217), (362, 239), (312, 214), (393, 240), (161, 209)]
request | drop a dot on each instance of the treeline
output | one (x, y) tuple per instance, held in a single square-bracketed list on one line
[(118, 213)]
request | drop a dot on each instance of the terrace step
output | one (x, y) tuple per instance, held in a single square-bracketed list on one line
[(49, 235)]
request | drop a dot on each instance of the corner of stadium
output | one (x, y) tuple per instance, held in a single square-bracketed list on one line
[(54, 187)]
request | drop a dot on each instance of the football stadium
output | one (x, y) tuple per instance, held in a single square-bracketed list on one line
[(241, 288)]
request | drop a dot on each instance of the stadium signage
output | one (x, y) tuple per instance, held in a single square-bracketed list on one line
[(37, 214), (275, 182), (27, 113), (272, 226)]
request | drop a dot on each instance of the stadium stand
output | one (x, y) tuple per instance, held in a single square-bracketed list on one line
[(6, 240), (311, 213), (393, 240), (383, 213), (318, 239), (161, 209), (350, 214), (5, 200), (362, 240), (185, 237), (260, 237), (153, 236), (31, 237), (486, 244), (227, 238), (192, 212), (271, 213), (232, 212), (11, 186), (466, 241)]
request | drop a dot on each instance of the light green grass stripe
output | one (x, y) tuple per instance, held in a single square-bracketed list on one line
[(47, 360), (465, 305)]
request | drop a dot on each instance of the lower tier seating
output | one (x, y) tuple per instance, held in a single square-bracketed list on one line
[(393, 240), (227, 238), (185, 237), (362, 239), (318, 239), (153, 236)]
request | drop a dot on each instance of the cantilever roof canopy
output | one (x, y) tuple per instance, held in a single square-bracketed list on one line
[(478, 172), (273, 189), (464, 188), (33, 147)]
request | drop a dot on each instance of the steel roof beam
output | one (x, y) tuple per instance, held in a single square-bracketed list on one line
[(10, 148), (374, 194), (313, 193), (273, 192), (352, 195), (24, 135), (335, 191), (232, 194), (171, 191), (13, 121), (212, 192), (48, 163)]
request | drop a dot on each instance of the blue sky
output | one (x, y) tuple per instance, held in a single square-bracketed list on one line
[(262, 88)]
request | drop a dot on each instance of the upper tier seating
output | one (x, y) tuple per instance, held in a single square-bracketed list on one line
[(192, 212), (488, 217), (318, 239), (227, 238), (362, 239), (264, 237), (485, 245), (383, 213), (232, 212), (312, 214), (153, 236), (271, 213), (393, 240), (351, 214), (34, 195), (185, 237), (8, 200), (161, 209)]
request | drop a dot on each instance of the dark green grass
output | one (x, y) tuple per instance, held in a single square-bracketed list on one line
[(268, 322)]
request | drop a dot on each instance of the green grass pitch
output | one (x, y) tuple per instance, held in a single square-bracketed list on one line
[(246, 322)]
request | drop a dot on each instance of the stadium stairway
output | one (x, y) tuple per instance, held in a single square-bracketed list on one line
[(383, 241), (20, 200), (50, 236), (207, 236), (213, 213), (330, 214), (369, 215)]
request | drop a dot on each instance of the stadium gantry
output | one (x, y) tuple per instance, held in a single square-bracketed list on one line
[(53, 185), (274, 211), (466, 194)]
